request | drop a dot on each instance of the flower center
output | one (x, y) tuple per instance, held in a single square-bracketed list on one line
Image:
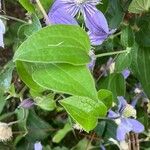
[(80, 1), (129, 111)]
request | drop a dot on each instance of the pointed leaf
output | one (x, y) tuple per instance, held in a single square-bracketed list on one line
[(56, 44), (84, 111)]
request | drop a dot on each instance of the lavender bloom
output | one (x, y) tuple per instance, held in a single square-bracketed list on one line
[(27, 103), (38, 146), (126, 73), (94, 19), (2, 31), (125, 111)]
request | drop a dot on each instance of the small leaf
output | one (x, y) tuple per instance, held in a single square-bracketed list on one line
[(127, 37), (38, 128), (106, 97), (61, 133), (56, 44), (46, 103), (139, 6), (123, 61), (84, 111)]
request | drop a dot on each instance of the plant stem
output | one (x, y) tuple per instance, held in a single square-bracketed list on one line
[(12, 18), (47, 21), (112, 53)]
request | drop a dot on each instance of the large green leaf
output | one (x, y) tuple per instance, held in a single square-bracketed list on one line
[(84, 111), (139, 6), (66, 78), (56, 44), (27, 5), (143, 68), (115, 83)]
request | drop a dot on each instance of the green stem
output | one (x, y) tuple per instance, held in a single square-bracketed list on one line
[(43, 12), (112, 53), (12, 18)]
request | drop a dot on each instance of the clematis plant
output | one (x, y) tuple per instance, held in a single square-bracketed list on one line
[(124, 118), (64, 11)]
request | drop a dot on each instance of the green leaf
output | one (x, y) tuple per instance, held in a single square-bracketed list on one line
[(115, 13), (84, 111), (139, 6), (115, 83), (123, 61), (61, 133), (38, 128), (127, 37), (65, 78), (56, 44), (2, 101), (26, 76), (142, 68), (27, 5), (6, 76), (45, 102), (106, 97), (143, 35)]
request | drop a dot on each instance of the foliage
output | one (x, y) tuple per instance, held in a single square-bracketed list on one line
[(49, 65)]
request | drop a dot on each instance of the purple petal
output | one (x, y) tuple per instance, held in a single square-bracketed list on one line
[(96, 22), (61, 17), (122, 103), (126, 73), (124, 128), (38, 146), (112, 114), (97, 39), (69, 6), (137, 127)]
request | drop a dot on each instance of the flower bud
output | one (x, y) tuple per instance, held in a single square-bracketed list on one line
[(5, 132), (27, 103)]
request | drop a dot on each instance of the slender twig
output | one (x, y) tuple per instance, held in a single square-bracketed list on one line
[(47, 21), (6, 17)]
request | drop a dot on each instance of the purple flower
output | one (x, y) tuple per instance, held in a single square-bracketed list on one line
[(27, 103), (126, 73), (126, 124), (38, 146), (2, 31), (63, 11)]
